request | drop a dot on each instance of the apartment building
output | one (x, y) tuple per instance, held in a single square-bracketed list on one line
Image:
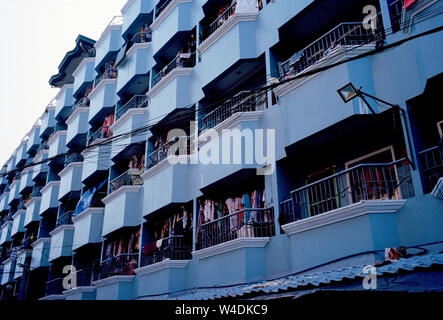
[(125, 189)]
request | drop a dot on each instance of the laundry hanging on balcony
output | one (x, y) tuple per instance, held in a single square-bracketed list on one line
[(86, 200)]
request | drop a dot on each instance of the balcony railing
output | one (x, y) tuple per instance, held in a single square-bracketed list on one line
[(110, 73), (174, 147), (243, 102), (129, 178), (184, 60), (348, 33), (141, 37), (85, 276), (173, 248), (218, 22), (74, 157), (65, 219), (247, 223), (43, 146), (55, 287), (82, 103), (163, 7), (362, 182), (122, 265), (26, 243), (139, 101), (432, 166), (102, 133)]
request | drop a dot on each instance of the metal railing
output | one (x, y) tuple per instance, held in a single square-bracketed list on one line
[(347, 33), (243, 102), (247, 223), (174, 147), (184, 60), (218, 22), (138, 101), (173, 247), (21, 205), (54, 287), (43, 146), (141, 37), (123, 264), (65, 219), (82, 103), (431, 161), (129, 178), (359, 183), (110, 73), (163, 7), (395, 12), (85, 276), (102, 133), (74, 157)]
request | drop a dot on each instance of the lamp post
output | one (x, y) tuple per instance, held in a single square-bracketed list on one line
[(350, 92)]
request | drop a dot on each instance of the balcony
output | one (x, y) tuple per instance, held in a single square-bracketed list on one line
[(5, 235), (135, 12), (18, 220), (49, 200), (54, 289), (26, 182), (83, 76), (165, 269), (33, 209), (71, 176), (78, 123), (40, 253), (431, 161), (103, 96), (48, 120), (57, 144), (177, 71), (23, 258), (136, 102), (98, 161), (134, 66), (229, 30), (332, 199), (64, 102), (34, 137), (116, 276), (4, 203), (88, 226), (61, 237), (8, 271), (109, 42), (14, 194), (22, 155), (83, 290), (122, 205), (171, 17), (40, 170)]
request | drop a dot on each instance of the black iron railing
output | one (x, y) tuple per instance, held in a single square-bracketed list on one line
[(123, 264), (65, 219), (362, 182), (129, 178), (174, 147), (184, 60), (221, 19), (138, 101), (55, 287), (174, 247), (161, 8), (110, 73), (432, 166), (74, 157), (141, 37), (242, 102), (247, 223), (347, 33), (102, 133)]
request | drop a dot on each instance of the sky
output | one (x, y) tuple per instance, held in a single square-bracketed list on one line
[(35, 35)]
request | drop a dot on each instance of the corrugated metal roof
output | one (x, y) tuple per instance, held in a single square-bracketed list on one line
[(315, 279)]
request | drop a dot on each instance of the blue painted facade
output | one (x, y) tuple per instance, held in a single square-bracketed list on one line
[(344, 183)]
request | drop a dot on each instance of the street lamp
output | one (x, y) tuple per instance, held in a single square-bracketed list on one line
[(350, 92)]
